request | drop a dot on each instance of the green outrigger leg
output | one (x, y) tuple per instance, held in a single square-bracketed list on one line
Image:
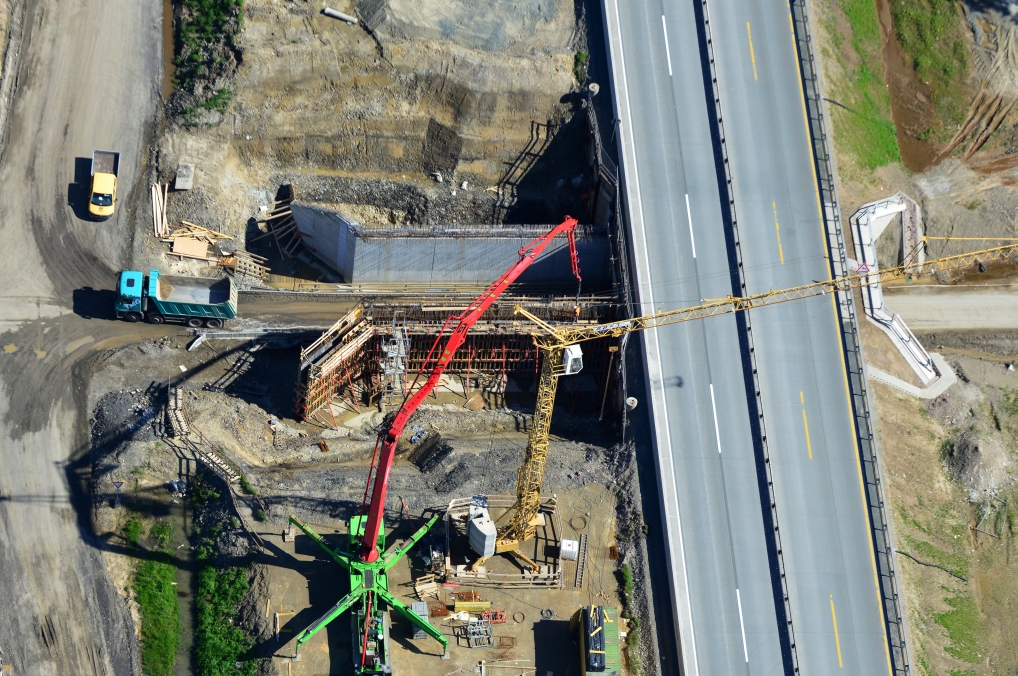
[(368, 578)]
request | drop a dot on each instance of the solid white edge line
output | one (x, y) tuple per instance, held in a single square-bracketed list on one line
[(652, 356), (745, 651), (668, 52), (717, 432), (689, 219)]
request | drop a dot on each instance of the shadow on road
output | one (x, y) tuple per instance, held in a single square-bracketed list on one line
[(89, 303), (78, 192)]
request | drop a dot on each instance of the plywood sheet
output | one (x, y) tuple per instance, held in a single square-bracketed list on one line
[(190, 247)]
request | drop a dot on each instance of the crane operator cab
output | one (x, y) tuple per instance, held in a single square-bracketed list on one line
[(572, 361)]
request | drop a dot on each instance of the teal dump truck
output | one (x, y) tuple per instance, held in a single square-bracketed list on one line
[(195, 301)]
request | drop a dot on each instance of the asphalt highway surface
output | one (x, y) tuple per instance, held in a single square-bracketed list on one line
[(714, 516)]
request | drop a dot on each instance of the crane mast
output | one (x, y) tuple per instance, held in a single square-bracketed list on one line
[(555, 340)]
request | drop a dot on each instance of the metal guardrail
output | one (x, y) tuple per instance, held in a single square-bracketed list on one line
[(854, 362)]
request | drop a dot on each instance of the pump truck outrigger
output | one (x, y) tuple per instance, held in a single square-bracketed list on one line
[(365, 558)]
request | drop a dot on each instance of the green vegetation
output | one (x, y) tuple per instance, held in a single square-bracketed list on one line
[(260, 514), (160, 614), (579, 66), (206, 51), (932, 36), (865, 131), (903, 513), (959, 672), (160, 534), (633, 645), (1010, 401), (246, 486), (156, 594), (219, 644), (201, 492), (629, 612), (921, 549), (132, 530), (963, 626), (220, 101), (947, 448), (627, 582)]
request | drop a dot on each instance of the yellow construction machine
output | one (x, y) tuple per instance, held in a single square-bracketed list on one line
[(563, 357)]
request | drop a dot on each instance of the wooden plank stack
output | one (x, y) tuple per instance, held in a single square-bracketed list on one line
[(159, 193), (192, 241)]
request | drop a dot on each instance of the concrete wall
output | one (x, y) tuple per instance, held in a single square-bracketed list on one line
[(450, 255)]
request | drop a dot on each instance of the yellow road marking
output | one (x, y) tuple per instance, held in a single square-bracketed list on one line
[(805, 425), (777, 231), (837, 639), (752, 56), (844, 371)]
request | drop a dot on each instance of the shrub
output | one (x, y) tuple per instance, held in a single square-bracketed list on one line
[(246, 486), (133, 530)]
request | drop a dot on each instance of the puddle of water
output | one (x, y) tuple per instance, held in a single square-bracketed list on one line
[(910, 98), (168, 67)]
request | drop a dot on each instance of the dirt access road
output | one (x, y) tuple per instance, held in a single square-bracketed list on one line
[(88, 77)]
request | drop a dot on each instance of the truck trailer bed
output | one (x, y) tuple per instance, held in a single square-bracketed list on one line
[(200, 290), (104, 162)]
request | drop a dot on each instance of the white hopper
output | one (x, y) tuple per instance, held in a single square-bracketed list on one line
[(481, 533)]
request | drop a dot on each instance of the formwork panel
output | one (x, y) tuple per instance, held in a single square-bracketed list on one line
[(448, 255)]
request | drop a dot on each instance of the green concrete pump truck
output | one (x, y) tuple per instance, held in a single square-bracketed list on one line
[(195, 301)]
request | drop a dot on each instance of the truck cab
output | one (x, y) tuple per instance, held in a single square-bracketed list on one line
[(130, 304)]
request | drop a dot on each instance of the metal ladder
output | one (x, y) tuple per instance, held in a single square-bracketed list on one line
[(581, 562)]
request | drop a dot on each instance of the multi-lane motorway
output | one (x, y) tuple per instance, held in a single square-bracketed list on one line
[(719, 474)]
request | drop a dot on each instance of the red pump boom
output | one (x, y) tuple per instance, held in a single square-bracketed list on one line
[(466, 320)]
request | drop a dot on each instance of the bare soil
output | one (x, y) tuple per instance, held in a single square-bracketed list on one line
[(370, 116), (949, 467), (247, 416)]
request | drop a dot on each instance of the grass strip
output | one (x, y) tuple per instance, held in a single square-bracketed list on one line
[(160, 613), (964, 626), (219, 644), (862, 123), (931, 34)]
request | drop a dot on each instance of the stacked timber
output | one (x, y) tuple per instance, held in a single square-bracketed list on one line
[(159, 192)]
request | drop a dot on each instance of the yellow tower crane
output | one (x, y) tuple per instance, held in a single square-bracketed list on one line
[(563, 357)]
